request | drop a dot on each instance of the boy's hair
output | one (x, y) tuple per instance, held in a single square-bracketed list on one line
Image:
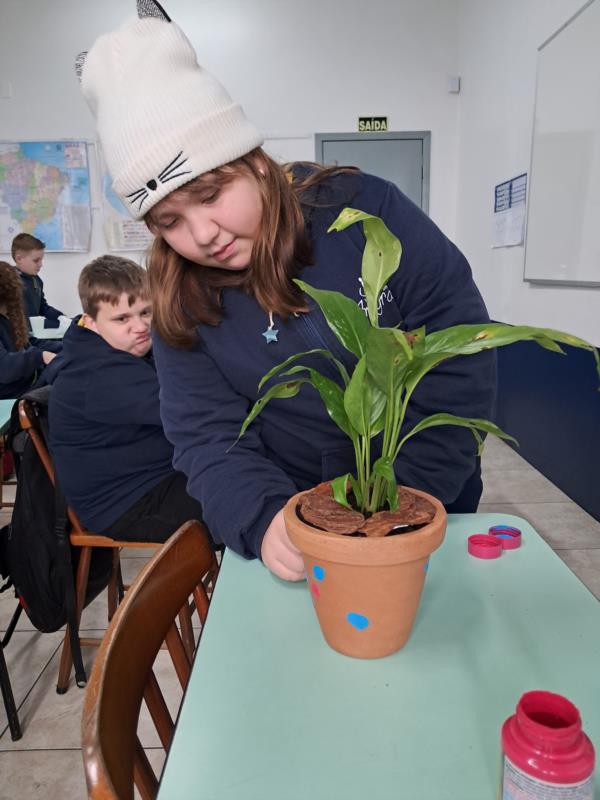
[(106, 278), (25, 243)]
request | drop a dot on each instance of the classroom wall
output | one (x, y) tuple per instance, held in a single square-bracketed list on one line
[(297, 68), (301, 68), (497, 49)]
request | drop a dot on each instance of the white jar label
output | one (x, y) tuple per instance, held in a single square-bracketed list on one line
[(517, 785)]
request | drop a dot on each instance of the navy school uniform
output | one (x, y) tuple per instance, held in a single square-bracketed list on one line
[(106, 435), (207, 392), (18, 368), (34, 300)]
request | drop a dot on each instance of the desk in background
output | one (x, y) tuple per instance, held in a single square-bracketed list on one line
[(272, 713), (40, 332)]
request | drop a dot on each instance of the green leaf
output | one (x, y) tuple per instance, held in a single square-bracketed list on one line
[(475, 425), (348, 216), (331, 395), (384, 468), (280, 390), (378, 411), (381, 255), (343, 316), (467, 339), (317, 351), (416, 338), (402, 338), (339, 488), (387, 359), (380, 260), (358, 399)]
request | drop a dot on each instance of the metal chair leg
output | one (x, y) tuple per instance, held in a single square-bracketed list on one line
[(9, 700)]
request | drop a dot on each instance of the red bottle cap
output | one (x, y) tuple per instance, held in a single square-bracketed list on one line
[(482, 545), (509, 537)]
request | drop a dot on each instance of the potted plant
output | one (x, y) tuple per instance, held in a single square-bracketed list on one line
[(365, 541)]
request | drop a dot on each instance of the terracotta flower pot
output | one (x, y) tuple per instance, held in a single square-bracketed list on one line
[(366, 591)]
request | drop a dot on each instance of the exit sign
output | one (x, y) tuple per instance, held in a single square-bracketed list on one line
[(371, 124)]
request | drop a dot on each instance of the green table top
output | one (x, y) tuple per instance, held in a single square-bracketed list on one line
[(272, 712), (5, 409)]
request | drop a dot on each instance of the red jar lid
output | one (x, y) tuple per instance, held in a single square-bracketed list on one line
[(509, 537), (482, 545)]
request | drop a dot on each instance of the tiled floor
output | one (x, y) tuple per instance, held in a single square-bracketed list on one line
[(46, 762)]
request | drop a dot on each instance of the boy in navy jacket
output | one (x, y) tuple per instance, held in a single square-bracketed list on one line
[(28, 255), (106, 436)]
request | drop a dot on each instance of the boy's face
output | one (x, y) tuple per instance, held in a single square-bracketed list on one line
[(29, 261), (124, 327)]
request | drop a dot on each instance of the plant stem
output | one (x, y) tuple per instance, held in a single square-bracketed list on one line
[(393, 410)]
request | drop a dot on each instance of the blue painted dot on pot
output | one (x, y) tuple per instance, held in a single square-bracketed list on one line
[(319, 573), (359, 621)]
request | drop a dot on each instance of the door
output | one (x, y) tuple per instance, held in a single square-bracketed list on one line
[(402, 158)]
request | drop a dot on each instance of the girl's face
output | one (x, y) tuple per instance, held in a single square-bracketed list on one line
[(215, 226)]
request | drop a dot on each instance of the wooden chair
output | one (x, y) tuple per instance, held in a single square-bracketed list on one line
[(86, 540), (122, 673)]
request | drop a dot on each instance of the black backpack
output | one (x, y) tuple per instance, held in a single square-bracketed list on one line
[(35, 553)]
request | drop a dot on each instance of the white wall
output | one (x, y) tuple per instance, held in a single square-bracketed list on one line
[(297, 68), (497, 55)]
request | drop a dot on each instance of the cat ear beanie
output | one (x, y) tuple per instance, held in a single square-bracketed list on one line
[(162, 120)]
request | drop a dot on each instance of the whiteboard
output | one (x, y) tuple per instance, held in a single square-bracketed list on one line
[(563, 214)]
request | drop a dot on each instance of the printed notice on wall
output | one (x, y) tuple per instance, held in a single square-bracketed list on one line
[(509, 212), (121, 231)]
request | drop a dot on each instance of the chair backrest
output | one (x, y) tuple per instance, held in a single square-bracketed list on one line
[(122, 673)]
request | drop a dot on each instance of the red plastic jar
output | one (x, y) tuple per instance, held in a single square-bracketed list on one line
[(547, 756)]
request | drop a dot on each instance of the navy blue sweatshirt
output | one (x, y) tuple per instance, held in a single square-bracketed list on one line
[(34, 301), (106, 436), (293, 445), (18, 368)]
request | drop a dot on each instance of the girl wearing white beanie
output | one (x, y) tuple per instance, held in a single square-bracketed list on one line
[(233, 229)]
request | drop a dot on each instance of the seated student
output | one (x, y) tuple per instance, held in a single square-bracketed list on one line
[(106, 436), (28, 255), (21, 366)]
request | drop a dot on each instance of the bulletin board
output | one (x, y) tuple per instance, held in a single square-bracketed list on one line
[(563, 215)]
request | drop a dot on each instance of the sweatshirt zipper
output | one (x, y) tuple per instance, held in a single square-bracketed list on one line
[(315, 336)]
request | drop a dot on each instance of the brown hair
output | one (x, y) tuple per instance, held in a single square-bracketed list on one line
[(185, 295), (11, 297), (25, 243), (106, 278)]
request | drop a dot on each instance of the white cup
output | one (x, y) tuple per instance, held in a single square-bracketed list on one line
[(37, 325)]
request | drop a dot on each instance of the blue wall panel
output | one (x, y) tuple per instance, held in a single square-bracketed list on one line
[(551, 404)]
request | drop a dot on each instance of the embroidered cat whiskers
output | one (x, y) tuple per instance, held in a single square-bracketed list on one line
[(168, 173)]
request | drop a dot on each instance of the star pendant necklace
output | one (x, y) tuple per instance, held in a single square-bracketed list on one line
[(271, 333)]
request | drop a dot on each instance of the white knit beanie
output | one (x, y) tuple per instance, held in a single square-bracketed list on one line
[(162, 120)]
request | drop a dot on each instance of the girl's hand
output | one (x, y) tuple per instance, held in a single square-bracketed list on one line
[(48, 356), (279, 554)]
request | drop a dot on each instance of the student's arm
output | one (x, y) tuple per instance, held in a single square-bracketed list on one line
[(51, 345), (241, 491), (23, 363), (124, 392), (434, 287), (48, 311)]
